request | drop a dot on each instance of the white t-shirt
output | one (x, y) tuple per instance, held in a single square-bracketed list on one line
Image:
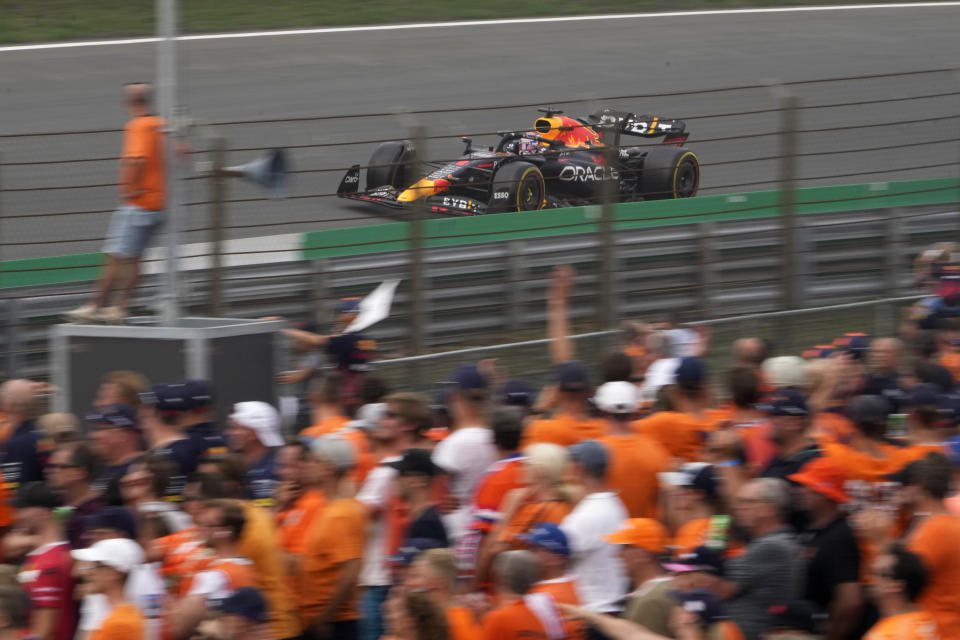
[(685, 342), (144, 588), (375, 493), (659, 374), (596, 564), (465, 454)]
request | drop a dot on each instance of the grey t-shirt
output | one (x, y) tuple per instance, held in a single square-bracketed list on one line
[(769, 573), (650, 606)]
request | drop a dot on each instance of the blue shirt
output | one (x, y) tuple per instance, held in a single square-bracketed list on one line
[(261, 480), (206, 440), (24, 455), (183, 455)]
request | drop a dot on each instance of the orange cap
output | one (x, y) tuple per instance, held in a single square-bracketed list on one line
[(824, 476), (645, 533)]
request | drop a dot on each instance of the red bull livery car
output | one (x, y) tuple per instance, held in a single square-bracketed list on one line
[(562, 162)]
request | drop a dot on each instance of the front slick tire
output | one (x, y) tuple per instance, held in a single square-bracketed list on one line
[(517, 186)]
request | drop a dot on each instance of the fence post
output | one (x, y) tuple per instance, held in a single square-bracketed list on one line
[(515, 295), (788, 175), (606, 245), (892, 251), (706, 259), (419, 136), (218, 193)]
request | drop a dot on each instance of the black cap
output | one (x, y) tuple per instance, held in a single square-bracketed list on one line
[(517, 393), (415, 461), (199, 394), (468, 378), (171, 396), (117, 518), (115, 416), (573, 376), (246, 602), (36, 494)]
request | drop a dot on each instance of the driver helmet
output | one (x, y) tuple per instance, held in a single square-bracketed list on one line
[(524, 145)]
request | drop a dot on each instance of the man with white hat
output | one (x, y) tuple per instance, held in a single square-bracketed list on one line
[(253, 431), (112, 561), (635, 459)]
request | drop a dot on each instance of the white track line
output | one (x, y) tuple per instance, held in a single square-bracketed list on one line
[(483, 23)]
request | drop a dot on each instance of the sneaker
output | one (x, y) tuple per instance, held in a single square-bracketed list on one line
[(112, 315), (87, 313)]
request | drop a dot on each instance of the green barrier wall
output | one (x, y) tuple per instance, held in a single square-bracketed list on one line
[(549, 222)]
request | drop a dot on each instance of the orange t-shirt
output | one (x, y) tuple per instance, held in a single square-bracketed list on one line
[(337, 535), (681, 434), (920, 451), (123, 623), (183, 555), (691, 535), (502, 478), (564, 430), (325, 426), (238, 571), (564, 591), (864, 467), (143, 139), (830, 426), (936, 541), (533, 513), (513, 622), (907, 626), (295, 521), (951, 362), (463, 625), (635, 461)]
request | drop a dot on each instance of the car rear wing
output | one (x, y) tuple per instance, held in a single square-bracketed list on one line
[(673, 132)]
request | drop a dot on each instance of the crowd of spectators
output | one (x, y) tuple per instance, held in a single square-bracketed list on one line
[(787, 496)]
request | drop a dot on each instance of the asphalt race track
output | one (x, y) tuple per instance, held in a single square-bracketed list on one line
[(446, 68)]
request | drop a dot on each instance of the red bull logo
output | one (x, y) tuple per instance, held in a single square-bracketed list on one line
[(567, 130)]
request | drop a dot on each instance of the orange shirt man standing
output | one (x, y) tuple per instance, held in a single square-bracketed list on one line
[(143, 195)]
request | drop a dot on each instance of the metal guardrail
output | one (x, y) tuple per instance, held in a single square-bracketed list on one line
[(494, 292)]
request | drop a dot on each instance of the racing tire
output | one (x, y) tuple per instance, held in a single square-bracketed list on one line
[(391, 165), (517, 186), (669, 172)]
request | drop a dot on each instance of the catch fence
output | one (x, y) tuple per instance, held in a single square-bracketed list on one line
[(752, 241)]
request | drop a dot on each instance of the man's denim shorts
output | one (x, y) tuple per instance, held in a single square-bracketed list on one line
[(130, 231)]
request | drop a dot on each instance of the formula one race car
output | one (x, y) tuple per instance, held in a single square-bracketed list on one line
[(563, 162)]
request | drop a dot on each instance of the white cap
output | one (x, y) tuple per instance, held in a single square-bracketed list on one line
[(682, 478), (262, 418), (122, 554), (786, 371), (369, 416), (617, 397)]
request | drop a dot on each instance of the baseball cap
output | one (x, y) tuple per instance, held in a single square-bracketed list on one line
[(785, 402), (695, 475), (701, 602), (857, 344), (113, 517), (818, 351), (412, 548), (824, 476), (700, 559), (549, 536), (591, 455), (115, 416), (199, 394), (572, 376), (617, 397), (170, 396), (785, 371), (262, 418), (369, 416), (691, 373), (246, 602), (644, 533), (468, 378), (348, 306), (122, 554), (518, 393), (415, 461), (36, 494), (798, 615)]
